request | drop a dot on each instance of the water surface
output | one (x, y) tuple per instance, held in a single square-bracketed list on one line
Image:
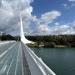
[(60, 60)]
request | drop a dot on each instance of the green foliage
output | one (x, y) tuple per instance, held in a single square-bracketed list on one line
[(6, 37), (47, 41), (52, 40)]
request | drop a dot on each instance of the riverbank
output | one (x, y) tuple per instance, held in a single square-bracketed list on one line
[(48, 46), (53, 41)]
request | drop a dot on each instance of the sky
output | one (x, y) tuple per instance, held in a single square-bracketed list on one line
[(41, 17)]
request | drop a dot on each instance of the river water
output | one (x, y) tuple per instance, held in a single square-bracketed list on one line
[(60, 60)]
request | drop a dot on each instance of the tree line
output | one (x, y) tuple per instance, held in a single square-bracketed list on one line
[(46, 41), (7, 37), (54, 40)]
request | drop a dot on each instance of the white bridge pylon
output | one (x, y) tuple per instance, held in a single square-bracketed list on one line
[(23, 39)]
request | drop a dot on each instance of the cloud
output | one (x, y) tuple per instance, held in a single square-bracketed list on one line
[(57, 23), (69, 5), (62, 29), (72, 0), (50, 16), (10, 23), (72, 3), (9, 14), (57, 29), (45, 19)]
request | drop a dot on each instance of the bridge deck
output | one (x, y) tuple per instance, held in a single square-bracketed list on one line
[(17, 59), (25, 65)]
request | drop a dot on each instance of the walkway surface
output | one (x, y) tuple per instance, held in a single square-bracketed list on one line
[(17, 59)]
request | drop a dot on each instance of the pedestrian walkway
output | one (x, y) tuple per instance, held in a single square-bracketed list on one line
[(17, 59)]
